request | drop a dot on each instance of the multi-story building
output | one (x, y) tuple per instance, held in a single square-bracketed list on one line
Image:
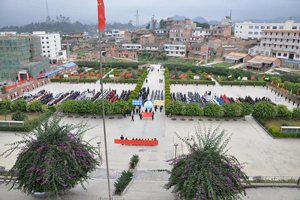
[(146, 39), (177, 50), (199, 31), (21, 58), (284, 44), (249, 30), (112, 33), (152, 47), (132, 46), (51, 46)]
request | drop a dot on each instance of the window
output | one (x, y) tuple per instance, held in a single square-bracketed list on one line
[(297, 56), (256, 27), (47, 42), (255, 33), (285, 55), (42, 42), (268, 27), (241, 27), (48, 51), (43, 51), (240, 31), (236, 32), (250, 33), (279, 54), (48, 47), (262, 27), (294, 27), (251, 27), (281, 27), (43, 46), (47, 38), (42, 38), (274, 27)]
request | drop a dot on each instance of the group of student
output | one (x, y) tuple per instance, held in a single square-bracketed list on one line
[(138, 139)]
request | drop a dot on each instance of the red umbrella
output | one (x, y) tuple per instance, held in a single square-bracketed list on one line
[(86, 75), (272, 82), (173, 76)]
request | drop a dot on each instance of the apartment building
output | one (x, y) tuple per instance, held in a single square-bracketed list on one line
[(284, 44), (112, 33), (51, 46), (146, 39), (176, 50), (197, 32), (249, 30), (132, 46)]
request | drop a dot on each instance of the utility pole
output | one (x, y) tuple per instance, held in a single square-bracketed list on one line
[(206, 57), (48, 13), (137, 18), (68, 51)]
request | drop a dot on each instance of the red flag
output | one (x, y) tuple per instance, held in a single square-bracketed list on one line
[(252, 77), (57, 76), (80, 74), (101, 15), (263, 77), (272, 82), (297, 93)]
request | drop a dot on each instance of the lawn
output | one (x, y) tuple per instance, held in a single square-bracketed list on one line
[(225, 65), (81, 52), (113, 60), (30, 116), (279, 122), (171, 61)]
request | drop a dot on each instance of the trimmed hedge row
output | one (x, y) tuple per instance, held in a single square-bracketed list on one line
[(29, 126), (167, 88), (256, 83), (138, 86), (95, 65), (120, 81), (201, 82), (87, 80), (276, 133)]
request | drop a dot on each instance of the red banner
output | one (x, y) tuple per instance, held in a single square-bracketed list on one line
[(147, 114), (137, 142)]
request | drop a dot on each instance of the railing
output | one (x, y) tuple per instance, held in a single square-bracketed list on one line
[(274, 181), (113, 198)]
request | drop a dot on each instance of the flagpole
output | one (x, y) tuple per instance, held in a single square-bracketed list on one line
[(103, 117)]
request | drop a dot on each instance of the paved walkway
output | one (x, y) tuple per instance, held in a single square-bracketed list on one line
[(237, 66)]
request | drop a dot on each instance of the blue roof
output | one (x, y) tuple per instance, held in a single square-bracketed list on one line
[(68, 65), (53, 72), (292, 61)]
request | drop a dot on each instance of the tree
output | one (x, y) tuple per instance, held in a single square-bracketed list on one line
[(5, 104), (19, 116), (3, 90), (85, 106), (53, 158), (203, 25), (148, 26), (207, 172), (19, 105), (264, 110), (232, 110), (35, 106), (296, 113), (247, 108), (213, 110), (62, 19), (162, 23), (276, 79), (174, 108), (283, 111), (193, 109)]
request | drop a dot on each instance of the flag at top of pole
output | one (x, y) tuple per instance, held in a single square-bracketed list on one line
[(101, 15)]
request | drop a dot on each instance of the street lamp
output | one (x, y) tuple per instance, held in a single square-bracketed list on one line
[(175, 145)]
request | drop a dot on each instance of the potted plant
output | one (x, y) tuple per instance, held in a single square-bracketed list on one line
[(53, 159)]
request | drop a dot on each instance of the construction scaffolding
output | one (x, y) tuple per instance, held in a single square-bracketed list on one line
[(21, 53)]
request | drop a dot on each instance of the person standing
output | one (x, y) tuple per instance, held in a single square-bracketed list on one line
[(146, 81), (152, 115), (132, 118), (140, 116)]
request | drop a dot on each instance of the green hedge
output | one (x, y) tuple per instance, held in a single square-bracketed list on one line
[(123, 181), (256, 83), (276, 133), (138, 86), (201, 82), (123, 65), (167, 88), (30, 125), (120, 81), (87, 80)]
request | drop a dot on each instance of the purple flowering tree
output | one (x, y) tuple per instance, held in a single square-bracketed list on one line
[(207, 171), (53, 158)]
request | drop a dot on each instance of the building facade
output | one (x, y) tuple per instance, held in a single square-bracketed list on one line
[(132, 46), (249, 30), (284, 44), (51, 46), (176, 50), (21, 53)]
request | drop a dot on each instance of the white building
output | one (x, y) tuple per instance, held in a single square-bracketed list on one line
[(131, 46), (178, 50), (201, 32), (112, 33), (51, 46), (249, 30), (7, 33), (284, 44)]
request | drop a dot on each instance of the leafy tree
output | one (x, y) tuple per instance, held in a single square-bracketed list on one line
[(53, 158), (203, 25), (264, 110), (174, 108), (232, 110), (120, 107), (35, 106), (296, 113), (283, 111), (207, 172), (3, 90), (148, 26), (162, 23), (213, 110), (276, 79), (19, 116), (193, 109), (19, 105), (5, 104), (97, 107), (247, 108)]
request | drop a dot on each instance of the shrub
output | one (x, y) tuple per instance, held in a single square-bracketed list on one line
[(264, 110), (35, 106), (276, 133), (5, 104), (19, 105), (213, 110), (283, 111), (247, 108), (85, 106), (232, 110), (174, 108), (19, 116), (193, 109), (120, 107), (134, 161), (296, 113), (70, 106), (97, 107), (123, 181)]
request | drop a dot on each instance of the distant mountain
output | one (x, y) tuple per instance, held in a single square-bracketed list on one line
[(200, 20), (177, 17), (214, 22)]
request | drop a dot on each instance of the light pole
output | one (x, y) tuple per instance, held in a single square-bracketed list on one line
[(175, 145)]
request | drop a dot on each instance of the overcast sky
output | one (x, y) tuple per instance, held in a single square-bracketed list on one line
[(20, 12)]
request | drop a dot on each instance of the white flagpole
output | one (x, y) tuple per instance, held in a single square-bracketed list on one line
[(103, 117)]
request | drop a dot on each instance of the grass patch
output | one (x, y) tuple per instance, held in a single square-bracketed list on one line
[(225, 65), (277, 123), (30, 116)]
